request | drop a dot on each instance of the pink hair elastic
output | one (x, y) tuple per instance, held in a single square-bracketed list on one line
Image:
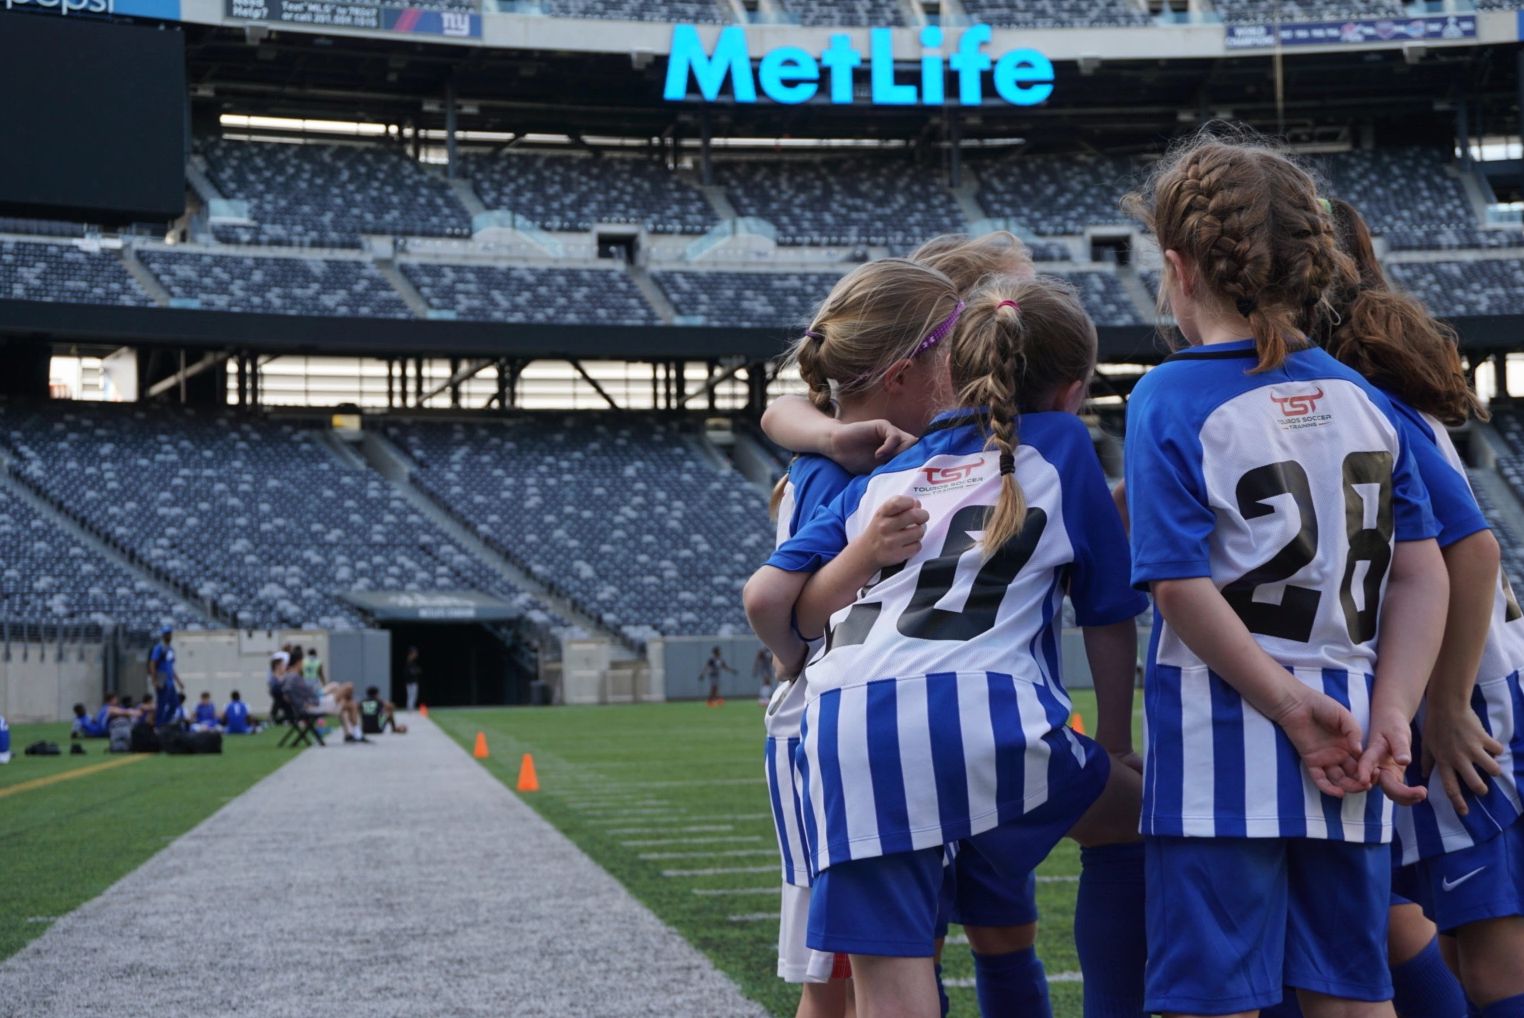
[(1008, 304)]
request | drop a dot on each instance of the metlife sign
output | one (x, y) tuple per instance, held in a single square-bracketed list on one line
[(792, 75)]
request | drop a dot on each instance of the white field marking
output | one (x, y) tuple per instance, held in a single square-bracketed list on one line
[(688, 829), (616, 805), (720, 871), (1053, 977), (42, 918), (956, 938), (696, 782), (702, 840), (1058, 879), (628, 816), (680, 816), (713, 853), (753, 917), (717, 892)]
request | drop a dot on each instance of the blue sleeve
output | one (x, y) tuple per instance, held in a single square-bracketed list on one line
[(1412, 513), (817, 480), (155, 654), (1167, 506), (823, 537), (1099, 585), (1454, 507), (103, 718)]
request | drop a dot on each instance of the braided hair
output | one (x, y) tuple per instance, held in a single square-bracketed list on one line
[(1248, 217), (1018, 342)]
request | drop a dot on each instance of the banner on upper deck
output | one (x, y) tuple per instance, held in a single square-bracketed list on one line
[(454, 19), (1344, 33)]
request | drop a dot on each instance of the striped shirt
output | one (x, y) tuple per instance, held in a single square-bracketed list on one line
[(1287, 488), (1433, 827), (812, 482), (936, 708)]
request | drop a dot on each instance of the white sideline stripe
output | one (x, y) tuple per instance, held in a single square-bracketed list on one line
[(1058, 880), (956, 938), (690, 783), (718, 871), (706, 839), (691, 828), (678, 814), (754, 917), (625, 815), (713, 853), (1053, 977), (716, 892)]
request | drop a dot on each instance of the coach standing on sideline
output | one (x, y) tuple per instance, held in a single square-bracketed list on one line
[(162, 678)]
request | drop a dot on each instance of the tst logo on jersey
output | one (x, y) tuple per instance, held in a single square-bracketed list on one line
[(1298, 410), (950, 478)]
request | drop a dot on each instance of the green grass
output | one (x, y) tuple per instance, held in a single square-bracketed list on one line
[(688, 764), (64, 843)]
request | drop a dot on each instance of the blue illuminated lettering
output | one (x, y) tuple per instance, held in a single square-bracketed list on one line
[(790, 75)]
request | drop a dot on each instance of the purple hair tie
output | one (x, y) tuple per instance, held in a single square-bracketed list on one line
[(938, 334), (812, 334)]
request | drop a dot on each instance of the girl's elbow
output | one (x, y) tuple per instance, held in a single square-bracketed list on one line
[(762, 599)]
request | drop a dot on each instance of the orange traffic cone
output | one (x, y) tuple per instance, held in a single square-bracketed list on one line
[(480, 752), (423, 710), (1077, 722), (528, 781)]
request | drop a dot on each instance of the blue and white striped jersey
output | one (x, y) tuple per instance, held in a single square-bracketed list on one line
[(936, 709), (812, 482), (1288, 488), (1433, 827)]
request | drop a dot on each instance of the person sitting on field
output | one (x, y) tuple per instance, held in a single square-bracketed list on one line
[(333, 698), (377, 715), (205, 719), (99, 726), (235, 716)]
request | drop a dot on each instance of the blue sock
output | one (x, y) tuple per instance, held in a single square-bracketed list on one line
[(1289, 1007), (1011, 984), (1508, 1007), (1423, 985), (942, 993), (1109, 932)]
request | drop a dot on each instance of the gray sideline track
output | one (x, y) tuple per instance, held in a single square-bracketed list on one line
[(393, 879)]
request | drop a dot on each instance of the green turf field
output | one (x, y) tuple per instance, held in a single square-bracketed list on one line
[(66, 841), (669, 798)]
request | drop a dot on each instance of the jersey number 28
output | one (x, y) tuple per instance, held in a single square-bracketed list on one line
[(1293, 617)]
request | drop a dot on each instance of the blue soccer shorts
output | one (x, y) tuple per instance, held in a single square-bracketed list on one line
[(888, 905), (1232, 922), (1470, 885)]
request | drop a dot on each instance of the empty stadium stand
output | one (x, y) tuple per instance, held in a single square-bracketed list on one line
[(64, 272), (577, 192), (846, 12), (328, 195), (49, 576), (284, 286), (249, 513), (1055, 195), (625, 516), (1242, 11), (532, 294), (843, 201), (1056, 14), (701, 11), (746, 298), (1489, 286)]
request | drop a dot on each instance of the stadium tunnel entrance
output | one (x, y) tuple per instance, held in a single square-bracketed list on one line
[(462, 663), (472, 647)]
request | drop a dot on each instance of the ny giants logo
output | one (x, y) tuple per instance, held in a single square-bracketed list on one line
[(936, 476), (1299, 405)]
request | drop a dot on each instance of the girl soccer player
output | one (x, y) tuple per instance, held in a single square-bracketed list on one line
[(1000, 916), (1472, 747), (1279, 519), (936, 713), (866, 358)]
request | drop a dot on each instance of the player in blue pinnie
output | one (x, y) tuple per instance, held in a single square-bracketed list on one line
[(935, 710), (1280, 521), (1460, 852)]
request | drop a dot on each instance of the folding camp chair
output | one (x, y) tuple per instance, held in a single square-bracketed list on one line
[(301, 727)]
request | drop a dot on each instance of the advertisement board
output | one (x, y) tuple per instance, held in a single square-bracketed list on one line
[(1345, 33), (453, 20)]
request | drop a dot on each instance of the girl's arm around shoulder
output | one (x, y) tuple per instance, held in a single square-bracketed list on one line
[(892, 536), (769, 598), (799, 426)]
